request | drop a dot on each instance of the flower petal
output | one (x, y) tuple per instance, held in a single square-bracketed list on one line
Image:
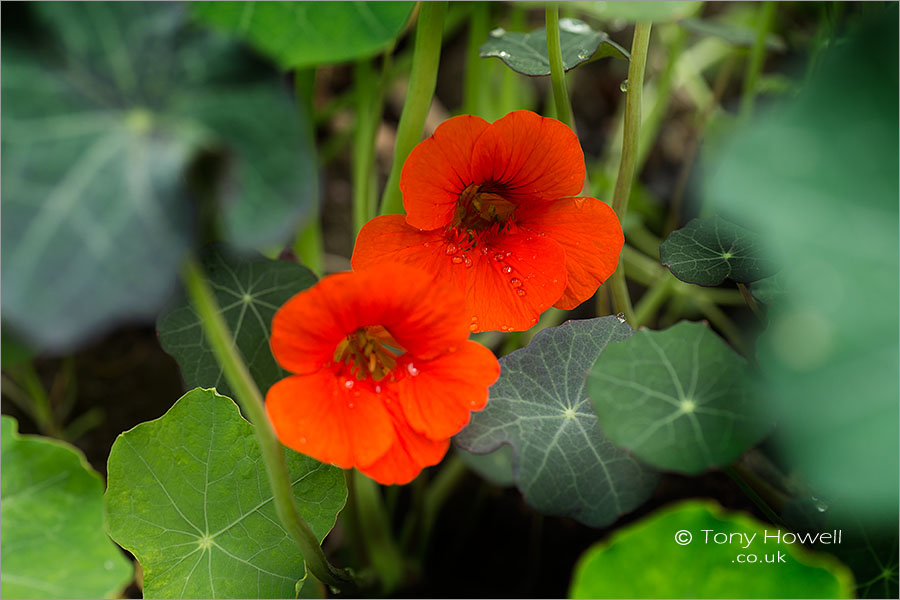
[(530, 158), (406, 458), (590, 233), (437, 400), (517, 277), (423, 316), (319, 416), (438, 170)]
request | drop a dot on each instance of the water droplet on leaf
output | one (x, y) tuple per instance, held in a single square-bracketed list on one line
[(624, 86), (621, 317)]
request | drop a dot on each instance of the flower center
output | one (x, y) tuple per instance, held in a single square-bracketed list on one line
[(366, 353), (478, 209)]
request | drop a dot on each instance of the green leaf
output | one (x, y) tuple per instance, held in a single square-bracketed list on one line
[(104, 113), (707, 251), (643, 560), (680, 399), (305, 34), (189, 497), (733, 33), (816, 175), (633, 12), (53, 543), (495, 467), (770, 290), (249, 290), (562, 461), (526, 53)]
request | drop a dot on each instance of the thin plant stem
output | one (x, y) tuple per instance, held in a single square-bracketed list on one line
[(369, 108), (375, 527), (37, 401), (438, 492), (728, 328), (653, 298), (630, 139), (474, 84), (757, 57), (248, 395), (751, 302), (308, 244), (422, 81), (754, 497), (557, 72)]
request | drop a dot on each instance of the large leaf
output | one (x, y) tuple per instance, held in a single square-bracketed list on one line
[(249, 290), (817, 177), (105, 108), (707, 251), (680, 399), (53, 543), (189, 497), (562, 461), (527, 52), (306, 34), (644, 560)]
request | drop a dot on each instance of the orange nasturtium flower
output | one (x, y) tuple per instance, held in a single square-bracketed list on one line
[(492, 208), (383, 371)]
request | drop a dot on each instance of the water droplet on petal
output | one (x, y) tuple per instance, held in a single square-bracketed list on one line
[(520, 292), (473, 403), (426, 244), (348, 383), (555, 280), (515, 282), (377, 389), (350, 405), (451, 249), (412, 369), (303, 440), (456, 260), (485, 249), (507, 269), (624, 86), (467, 260), (473, 327), (542, 234), (498, 257), (508, 253)]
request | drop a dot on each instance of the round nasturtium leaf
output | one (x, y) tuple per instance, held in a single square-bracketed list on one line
[(306, 34), (105, 112), (714, 558), (680, 399), (53, 542), (562, 462), (249, 289), (189, 497), (526, 53), (707, 251)]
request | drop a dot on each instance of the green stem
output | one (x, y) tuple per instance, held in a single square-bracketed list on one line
[(308, 246), (437, 494), (652, 299), (757, 57), (248, 395), (728, 328), (754, 497), (36, 400), (375, 527), (557, 72), (369, 107), (630, 139), (422, 81), (474, 84), (751, 302)]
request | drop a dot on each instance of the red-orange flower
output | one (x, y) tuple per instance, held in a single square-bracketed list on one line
[(383, 371), (492, 208)]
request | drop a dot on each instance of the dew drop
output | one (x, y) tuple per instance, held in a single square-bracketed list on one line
[(412, 369), (508, 253), (515, 282), (499, 256), (451, 249), (574, 26), (621, 317), (350, 405), (473, 327), (427, 244), (542, 234), (473, 403), (507, 269), (485, 249), (377, 389), (467, 260), (624, 86), (504, 328), (555, 280), (303, 440), (520, 292), (348, 383), (456, 260), (498, 32), (503, 54)]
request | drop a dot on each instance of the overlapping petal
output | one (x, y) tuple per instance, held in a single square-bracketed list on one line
[(438, 170), (590, 233), (318, 415), (439, 394)]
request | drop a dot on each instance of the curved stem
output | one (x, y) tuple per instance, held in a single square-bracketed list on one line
[(422, 81), (557, 72), (308, 245), (369, 107), (251, 401), (630, 139), (375, 527), (757, 56)]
